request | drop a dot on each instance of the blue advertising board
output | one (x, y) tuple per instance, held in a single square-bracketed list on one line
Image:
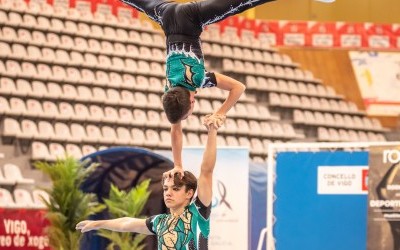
[(321, 200)]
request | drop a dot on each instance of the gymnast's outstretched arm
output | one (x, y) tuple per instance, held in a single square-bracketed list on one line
[(125, 224), (149, 7), (212, 11)]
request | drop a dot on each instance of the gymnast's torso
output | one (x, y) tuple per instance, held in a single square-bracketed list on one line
[(182, 26)]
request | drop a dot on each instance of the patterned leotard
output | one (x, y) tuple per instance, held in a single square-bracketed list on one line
[(189, 231)]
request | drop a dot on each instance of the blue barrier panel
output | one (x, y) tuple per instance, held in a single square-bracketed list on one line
[(306, 219)]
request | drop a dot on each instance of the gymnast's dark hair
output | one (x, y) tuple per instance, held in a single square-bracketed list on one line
[(188, 180), (176, 103)]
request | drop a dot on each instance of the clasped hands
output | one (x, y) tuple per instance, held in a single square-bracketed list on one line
[(215, 120)]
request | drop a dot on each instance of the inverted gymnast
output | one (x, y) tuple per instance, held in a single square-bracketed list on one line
[(182, 24), (188, 224)]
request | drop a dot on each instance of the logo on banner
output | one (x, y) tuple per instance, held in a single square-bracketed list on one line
[(391, 156), (221, 199)]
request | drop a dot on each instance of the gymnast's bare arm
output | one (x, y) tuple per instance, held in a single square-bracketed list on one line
[(235, 89), (125, 224), (176, 144), (204, 190)]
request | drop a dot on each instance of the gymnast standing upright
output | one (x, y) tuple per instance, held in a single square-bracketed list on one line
[(187, 226)]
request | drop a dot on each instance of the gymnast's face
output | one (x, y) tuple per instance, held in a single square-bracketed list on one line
[(192, 101), (175, 196)]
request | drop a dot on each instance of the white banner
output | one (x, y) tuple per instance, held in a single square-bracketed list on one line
[(378, 77), (229, 215), (342, 180), (230, 211)]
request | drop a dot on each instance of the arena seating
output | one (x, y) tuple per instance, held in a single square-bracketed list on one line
[(72, 83)]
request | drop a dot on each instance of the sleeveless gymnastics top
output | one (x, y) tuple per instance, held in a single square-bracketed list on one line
[(189, 231)]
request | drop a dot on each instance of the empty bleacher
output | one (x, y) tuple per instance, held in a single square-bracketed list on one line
[(18, 191)]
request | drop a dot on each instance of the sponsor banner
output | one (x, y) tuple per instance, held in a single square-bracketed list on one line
[(293, 33), (321, 34), (105, 7), (320, 200), (230, 206), (278, 33), (378, 36), (350, 35), (384, 198), (378, 77), (267, 31), (342, 179), (328, 34), (23, 229)]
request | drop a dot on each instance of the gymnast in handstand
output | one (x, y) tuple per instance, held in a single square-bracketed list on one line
[(182, 24)]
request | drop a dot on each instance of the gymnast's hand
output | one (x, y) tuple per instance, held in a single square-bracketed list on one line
[(217, 120), (86, 226), (172, 172)]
